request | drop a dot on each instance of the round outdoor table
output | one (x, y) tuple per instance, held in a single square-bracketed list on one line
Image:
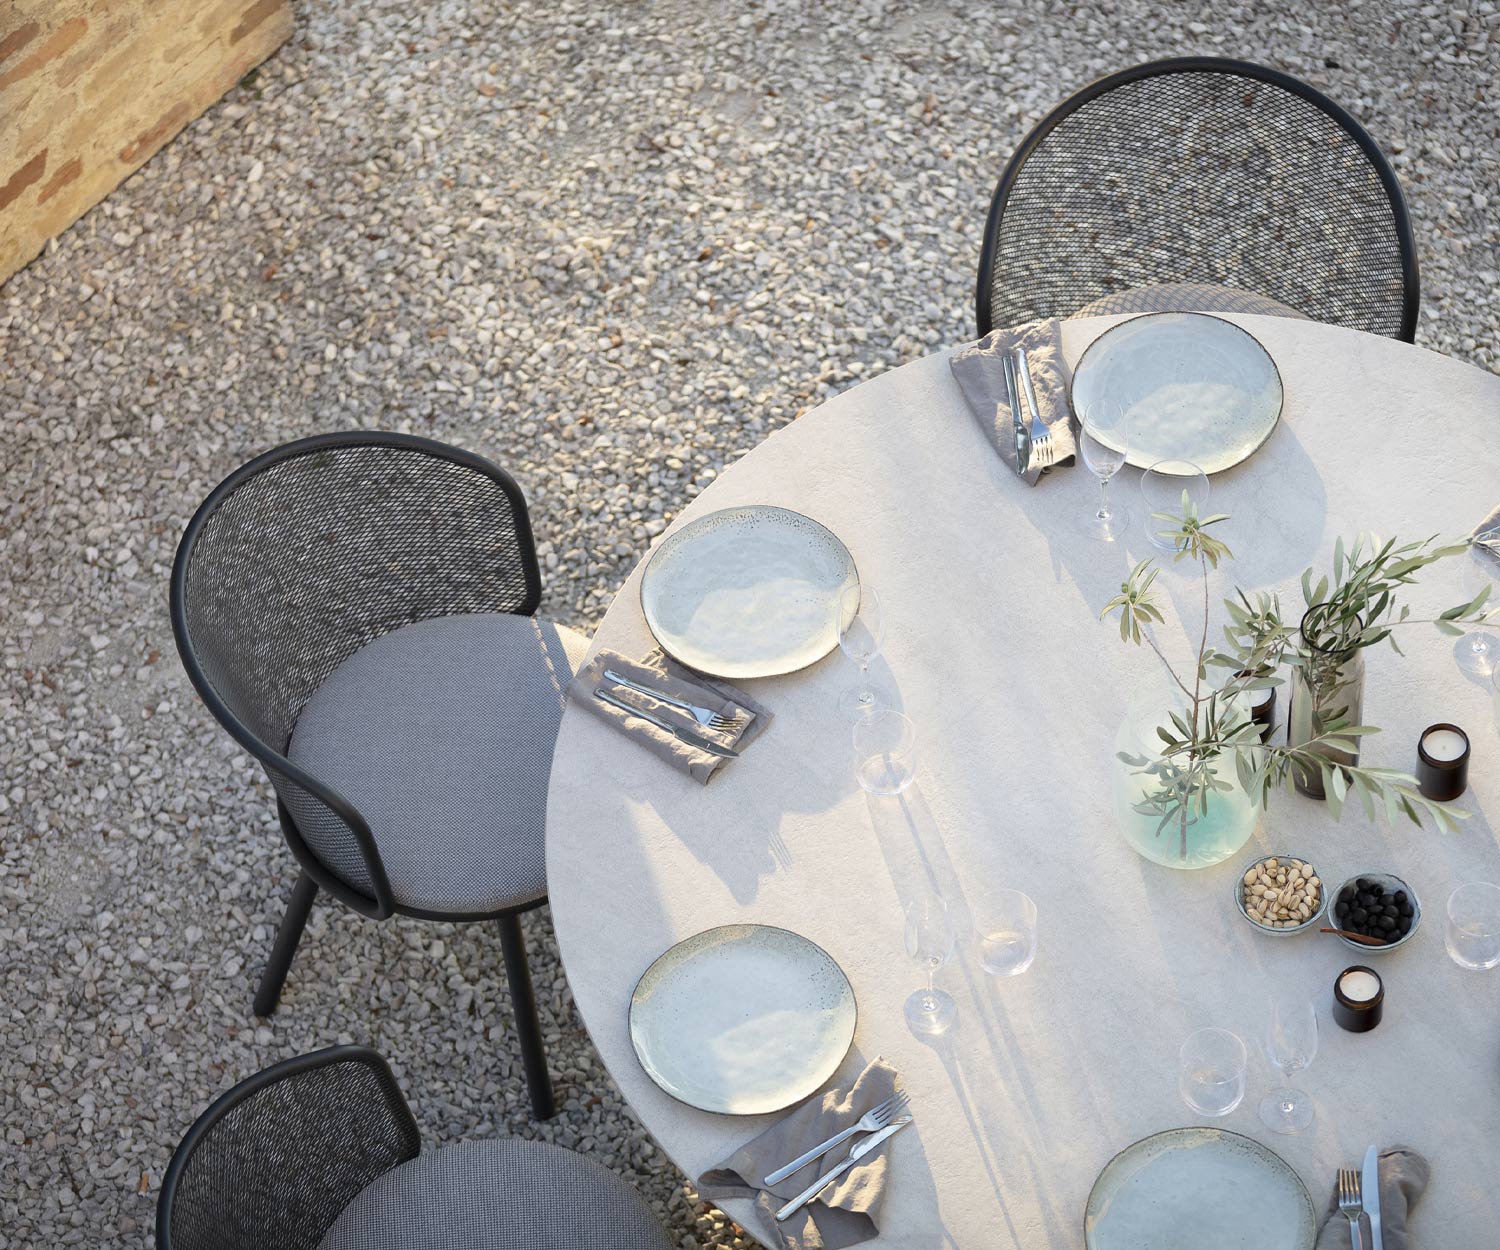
[(991, 595)]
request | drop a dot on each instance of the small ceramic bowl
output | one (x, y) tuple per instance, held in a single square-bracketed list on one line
[(1239, 898), (1391, 884)]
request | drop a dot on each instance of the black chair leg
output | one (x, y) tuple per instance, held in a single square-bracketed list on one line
[(287, 937), (518, 973)]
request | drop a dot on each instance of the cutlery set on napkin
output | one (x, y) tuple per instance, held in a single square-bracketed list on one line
[(1016, 384), (841, 1206), (1383, 1192), (693, 722)]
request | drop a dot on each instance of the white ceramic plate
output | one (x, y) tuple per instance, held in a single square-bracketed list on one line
[(1195, 1188), (1193, 387), (743, 1019), (747, 592)]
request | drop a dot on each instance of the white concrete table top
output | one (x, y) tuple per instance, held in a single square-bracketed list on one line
[(991, 597)]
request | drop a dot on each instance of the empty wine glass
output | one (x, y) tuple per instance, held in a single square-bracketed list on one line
[(885, 752), (929, 940), (1291, 1043), (1103, 443), (1478, 650), (1007, 933), (1163, 485), (861, 631), (1211, 1071), (1471, 929)]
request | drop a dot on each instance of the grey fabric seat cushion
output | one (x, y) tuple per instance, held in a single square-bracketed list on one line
[(1187, 297), (441, 735), (497, 1195)]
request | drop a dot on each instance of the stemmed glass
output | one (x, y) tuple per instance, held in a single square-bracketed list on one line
[(1477, 650), (929, 940), (861, 631), (1291, 1043), (885, 752), (1103, 442)]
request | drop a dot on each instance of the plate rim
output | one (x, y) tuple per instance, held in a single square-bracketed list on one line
[(675, 534), (1089, 1242), (1164, 312), (742, 924)]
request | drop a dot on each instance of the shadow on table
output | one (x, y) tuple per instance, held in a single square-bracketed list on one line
[(1006, 1111)]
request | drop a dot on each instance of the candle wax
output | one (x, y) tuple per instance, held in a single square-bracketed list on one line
[(1444, 744), (1359, 987)]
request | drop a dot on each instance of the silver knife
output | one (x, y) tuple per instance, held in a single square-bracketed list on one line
[(861, 1148), (1369, 1185), (682, 735), (1023, 437)]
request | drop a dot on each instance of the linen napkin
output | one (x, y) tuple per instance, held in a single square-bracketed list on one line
[(1403, 1177), (848, 1211), (980, 372), (660, 672)]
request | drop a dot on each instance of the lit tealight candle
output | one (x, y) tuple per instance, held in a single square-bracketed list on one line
[(1443, 762), (1358, 999)]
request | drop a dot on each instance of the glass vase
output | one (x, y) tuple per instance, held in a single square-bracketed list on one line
[(1327, 688), (1205, 826)]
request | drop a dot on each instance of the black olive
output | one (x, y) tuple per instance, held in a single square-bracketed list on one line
[(1376, 890), (1362, 884), (1386, 923), (1406, 909), (1400, 897), (1346, 895), (1359, 915), (1341, 909)]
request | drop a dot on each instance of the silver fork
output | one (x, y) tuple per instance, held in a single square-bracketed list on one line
[(706, 717), (1042, 452), (1352, 1205), (877, 1117)]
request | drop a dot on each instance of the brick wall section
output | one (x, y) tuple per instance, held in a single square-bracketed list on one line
[(90, 89)]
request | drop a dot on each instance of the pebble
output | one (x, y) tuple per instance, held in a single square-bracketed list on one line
[(610, 247)]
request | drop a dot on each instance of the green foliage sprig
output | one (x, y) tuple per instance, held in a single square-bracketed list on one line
[(1357, 607)]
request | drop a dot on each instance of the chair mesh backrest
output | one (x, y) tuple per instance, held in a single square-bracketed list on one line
[(321, 546), (272, 1164), (1200, 175)]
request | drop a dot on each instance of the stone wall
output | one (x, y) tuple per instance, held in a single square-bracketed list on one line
[(90, 89)]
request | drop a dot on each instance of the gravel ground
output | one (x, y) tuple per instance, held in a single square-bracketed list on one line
[(610, 246)]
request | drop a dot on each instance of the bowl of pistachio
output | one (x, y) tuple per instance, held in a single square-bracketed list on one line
[(1280, 895)]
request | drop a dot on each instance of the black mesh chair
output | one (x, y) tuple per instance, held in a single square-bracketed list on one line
[(356, 610), (1200, 184), (320, 1152)]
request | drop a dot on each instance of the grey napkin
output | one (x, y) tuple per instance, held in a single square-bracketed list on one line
[(1403, 1177), (845, 1213), (980, 372), (662, 673)]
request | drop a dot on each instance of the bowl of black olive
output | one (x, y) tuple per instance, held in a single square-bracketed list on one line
[(1378, 906)]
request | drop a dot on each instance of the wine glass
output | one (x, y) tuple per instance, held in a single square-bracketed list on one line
[(1164, 484), (1103, 443), (885, 752), (1291, 1043), (1007, 939), (929, 940), (1211, 1071), (1477, 650), (861, 631), (1471, 928)]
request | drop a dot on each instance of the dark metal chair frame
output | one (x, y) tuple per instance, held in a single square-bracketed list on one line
[(1401, 221), (315, 875), (405, 1137)]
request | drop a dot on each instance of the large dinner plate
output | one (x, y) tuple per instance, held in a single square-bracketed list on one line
[(1192, 387), (742, 1019), (747, 592), (1195, 1188)]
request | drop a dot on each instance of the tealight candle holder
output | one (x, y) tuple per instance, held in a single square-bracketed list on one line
[(1443, 762), (1358, 999)]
